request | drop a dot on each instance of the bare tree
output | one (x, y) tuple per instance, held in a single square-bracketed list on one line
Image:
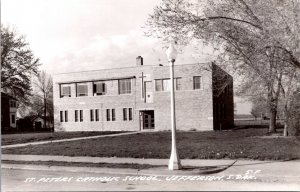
[(258, 39), (44, 93)]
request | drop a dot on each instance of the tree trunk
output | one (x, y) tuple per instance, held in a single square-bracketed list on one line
[(273, 98), (286, 118), (285, 132), (272, 124), (45, 113)]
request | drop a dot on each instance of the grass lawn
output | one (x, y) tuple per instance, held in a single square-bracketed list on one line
[(10, 139), (240, 143)]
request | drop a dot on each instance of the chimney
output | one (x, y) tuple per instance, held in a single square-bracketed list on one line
[(139, 61)]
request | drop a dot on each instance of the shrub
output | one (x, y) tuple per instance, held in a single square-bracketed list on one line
[(294, 116)]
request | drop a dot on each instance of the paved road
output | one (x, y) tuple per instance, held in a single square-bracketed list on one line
[(35, 180)]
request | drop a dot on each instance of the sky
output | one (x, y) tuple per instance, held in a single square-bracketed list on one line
[(77, 35)]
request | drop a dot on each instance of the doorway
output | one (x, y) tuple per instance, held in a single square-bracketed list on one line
[(147, 120), (38, 125)]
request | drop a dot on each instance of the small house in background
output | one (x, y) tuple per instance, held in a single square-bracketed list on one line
[(38, 123), (9, 106), (34, 123)]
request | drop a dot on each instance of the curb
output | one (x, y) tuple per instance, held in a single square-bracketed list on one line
[(87, 159)]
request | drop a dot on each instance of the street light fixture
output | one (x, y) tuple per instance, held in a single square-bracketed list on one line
[(174, 162)]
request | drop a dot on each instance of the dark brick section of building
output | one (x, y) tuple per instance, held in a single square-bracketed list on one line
[(8, 111), (138, 98), (223, 99)]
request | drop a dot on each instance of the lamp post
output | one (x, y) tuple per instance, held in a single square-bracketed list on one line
[(174, 162)]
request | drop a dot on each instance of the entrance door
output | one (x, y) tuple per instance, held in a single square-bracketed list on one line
[(147, 119)]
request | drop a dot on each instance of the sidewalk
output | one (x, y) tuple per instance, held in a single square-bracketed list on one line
[(266, 170), (65, 140)]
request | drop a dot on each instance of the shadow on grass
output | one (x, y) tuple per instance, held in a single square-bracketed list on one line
[(267, 162), (206, 170)]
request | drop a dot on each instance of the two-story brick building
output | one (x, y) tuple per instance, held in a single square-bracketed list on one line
[(138, 98), (8, 111)]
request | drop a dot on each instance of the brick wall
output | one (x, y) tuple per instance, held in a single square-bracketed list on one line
[(194, 108)]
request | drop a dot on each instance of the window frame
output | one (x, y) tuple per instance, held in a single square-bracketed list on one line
[(130, 114), (197, 83), (125, 114), (13, 118), (76, 116), (163, 87), (92, 118), (97, 114), (108, 115), (81, 115), (113, 115), (61, 115), (12, 103), (61, 90), (125, 83), (104, 88), (178, 83), (82, 94), (160, 88), (66, 116)]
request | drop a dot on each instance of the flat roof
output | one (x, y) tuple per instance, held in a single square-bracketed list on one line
[(149, 66)]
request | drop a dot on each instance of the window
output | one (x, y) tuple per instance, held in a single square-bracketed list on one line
[(113, 115), (125, 86), (81, 115), (82, 89), (61, 116), (66, 116), (165, 84), (197, 82), (178, 84), (76, 115), (13, 118), (107, 114), (13, 104), (97, 114), (127, 114), (110, 114), (158, 85), (130, 114), (99, 88), (92, 114), (65, 90), (162, 85)]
